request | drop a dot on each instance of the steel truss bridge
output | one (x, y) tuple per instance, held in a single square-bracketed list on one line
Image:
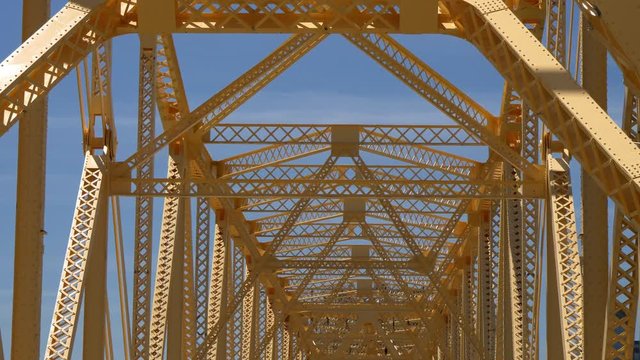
[(338, 241)]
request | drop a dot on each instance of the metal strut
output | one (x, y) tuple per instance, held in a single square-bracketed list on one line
[(91, 203)]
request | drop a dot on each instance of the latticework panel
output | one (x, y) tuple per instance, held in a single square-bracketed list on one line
[(144, 211), (91, 200), (623, 294), (567, 258)]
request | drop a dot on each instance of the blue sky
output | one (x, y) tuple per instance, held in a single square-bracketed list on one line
[(335, 83)]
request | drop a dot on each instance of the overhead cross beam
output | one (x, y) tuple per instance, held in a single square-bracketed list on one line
[(369, 134), (425, 190)]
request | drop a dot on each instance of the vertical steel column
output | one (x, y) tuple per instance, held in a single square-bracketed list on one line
[(531, 242), (454, 328), (96, 289), (286, 344), (556, 44), (188, 300), (144, 205), (474, 292), (175, 309), (234, 319), (171, 230), (203, 234), (30, 196), (218, 288), (519, 121), (495, 276), (91, 200), (486, 313), (506, 351), (514, 265), (95, 298), (623, 292), (122, 282), (565, 248), (595, 224), (272, 326), (467, 306), (554, 324), (249, 315), (556, 29)]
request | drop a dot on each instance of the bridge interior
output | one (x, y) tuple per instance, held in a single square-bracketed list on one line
[(337, 241)]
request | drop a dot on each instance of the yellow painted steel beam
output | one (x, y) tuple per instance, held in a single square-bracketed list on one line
[(443, 135), (286, 172), (519, 122), (202, 261), (218, 286), (515, 268), (569, 283), (614, 28), (249, 317), (144, 207), (423, 190), (170, 253), (441, 93), (623, 284), (95, 304), (29, 222), (407, 206), (594, 204), (188, 299), (604, 151), (61, 43), (326, 16), (268, 156), (230, 98), (486, 305), (91, 202), (277, 154)]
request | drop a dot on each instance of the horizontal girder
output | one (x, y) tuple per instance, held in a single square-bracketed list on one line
[(345, 264), (330, 189), (321, 16), (442, 135), (409, 206)]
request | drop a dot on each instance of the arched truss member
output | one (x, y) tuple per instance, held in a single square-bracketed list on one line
[(449, 268)]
